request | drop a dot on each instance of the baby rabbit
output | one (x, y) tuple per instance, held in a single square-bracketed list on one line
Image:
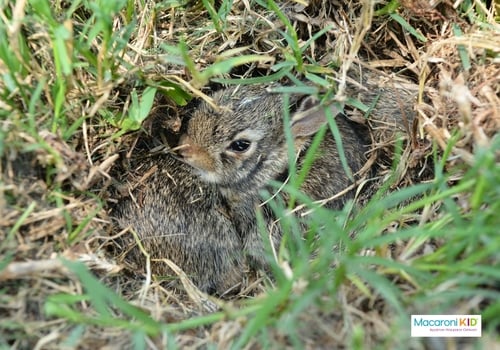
[(241, 147), (179, 217), (201, 212)]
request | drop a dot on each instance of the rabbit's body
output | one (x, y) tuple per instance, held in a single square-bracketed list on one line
[(390, 101), (179, 217), (327, 177)]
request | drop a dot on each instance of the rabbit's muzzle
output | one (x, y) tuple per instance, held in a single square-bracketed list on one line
[(195, 156)]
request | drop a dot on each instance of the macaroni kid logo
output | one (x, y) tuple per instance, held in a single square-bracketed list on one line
[(446, 325)]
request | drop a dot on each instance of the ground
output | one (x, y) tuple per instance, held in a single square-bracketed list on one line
[(82, 82)]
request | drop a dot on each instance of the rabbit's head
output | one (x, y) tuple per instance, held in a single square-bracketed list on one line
[(242, 145)]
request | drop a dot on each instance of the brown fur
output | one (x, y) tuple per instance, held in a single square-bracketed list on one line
[(255, 114), (203, 215), (183, 219)]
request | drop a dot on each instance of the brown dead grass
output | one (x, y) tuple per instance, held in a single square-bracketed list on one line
[(450, 98)]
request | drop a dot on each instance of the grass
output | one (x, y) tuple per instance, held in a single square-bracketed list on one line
[(78, 80)]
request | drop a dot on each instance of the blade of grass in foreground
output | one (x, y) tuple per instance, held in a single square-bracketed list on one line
[(103, 300)]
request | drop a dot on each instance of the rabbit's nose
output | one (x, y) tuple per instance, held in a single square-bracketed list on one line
[(184, 149)]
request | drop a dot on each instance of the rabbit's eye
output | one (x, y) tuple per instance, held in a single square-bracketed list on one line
[(239, 145)]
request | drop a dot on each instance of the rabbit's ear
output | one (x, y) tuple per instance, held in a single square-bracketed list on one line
[(310, 117)]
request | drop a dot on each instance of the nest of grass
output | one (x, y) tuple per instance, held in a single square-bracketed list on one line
[(55, 197)]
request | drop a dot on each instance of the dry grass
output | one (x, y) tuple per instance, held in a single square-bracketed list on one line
[(56, 186)]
